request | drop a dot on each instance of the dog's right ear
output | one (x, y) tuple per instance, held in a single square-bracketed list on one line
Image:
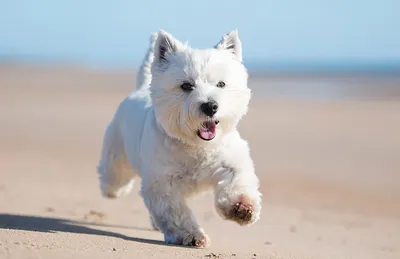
[(166, 45)]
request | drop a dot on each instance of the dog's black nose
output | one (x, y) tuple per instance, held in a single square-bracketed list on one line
[(209, 108)]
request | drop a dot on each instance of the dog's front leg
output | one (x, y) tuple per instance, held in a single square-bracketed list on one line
[(236, 192), (170, 213)]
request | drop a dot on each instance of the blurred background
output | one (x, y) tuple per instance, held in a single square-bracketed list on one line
[(277, 35), (323, 124)]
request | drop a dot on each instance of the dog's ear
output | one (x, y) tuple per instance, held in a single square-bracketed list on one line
[(165, 46), (232, 43)]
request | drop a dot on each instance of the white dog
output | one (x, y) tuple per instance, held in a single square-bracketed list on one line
[(177, 131)]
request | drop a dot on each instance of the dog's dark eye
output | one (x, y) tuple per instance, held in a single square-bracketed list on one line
[(186, 86), (221, 84)]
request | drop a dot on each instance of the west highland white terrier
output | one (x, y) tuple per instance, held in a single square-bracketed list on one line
[(178, 132)]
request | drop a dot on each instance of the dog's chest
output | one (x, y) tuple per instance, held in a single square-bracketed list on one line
[(196, 169)]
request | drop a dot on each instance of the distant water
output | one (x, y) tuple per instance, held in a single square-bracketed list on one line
[(327, 86)]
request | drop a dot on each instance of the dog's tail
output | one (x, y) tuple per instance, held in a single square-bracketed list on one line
[(143, 78)]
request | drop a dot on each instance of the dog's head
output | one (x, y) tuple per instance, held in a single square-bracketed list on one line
[(198, 94)]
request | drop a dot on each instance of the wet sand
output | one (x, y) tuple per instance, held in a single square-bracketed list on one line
[(326, 148)]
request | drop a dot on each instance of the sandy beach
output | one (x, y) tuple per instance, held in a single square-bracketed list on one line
[(328, 159)]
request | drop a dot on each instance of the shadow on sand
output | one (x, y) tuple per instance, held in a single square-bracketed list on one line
[(52, 225)]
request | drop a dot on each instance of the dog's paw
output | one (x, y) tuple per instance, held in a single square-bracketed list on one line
[(197, 239), (244, 211)]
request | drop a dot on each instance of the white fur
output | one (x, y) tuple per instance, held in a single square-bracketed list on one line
[(154, 135)]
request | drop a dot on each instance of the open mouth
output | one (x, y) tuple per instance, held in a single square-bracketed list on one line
[(208, 130)]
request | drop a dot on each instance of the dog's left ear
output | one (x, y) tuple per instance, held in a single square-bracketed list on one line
[(232, 43)]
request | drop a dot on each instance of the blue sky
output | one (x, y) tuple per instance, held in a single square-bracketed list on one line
[(274, 33)]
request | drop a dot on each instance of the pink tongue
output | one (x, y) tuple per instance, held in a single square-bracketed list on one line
[(208, 130)]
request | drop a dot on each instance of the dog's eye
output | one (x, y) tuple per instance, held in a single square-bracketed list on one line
[(221, 84), (186, 86)]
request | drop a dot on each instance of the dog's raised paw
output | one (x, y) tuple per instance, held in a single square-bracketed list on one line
[(242, 211)]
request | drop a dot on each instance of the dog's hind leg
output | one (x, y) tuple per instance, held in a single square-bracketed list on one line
[(116, 174), (170, 212)]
